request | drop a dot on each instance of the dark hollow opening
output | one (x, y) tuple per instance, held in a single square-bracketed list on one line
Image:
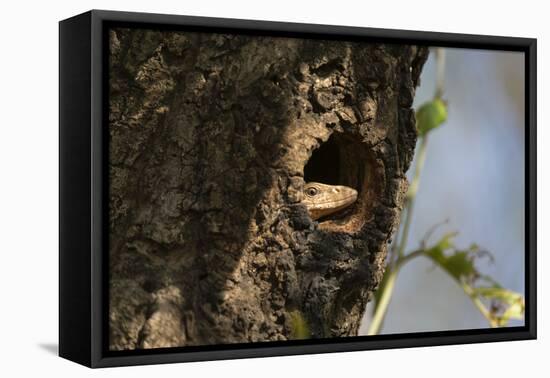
[(341, 160), (324, 164)]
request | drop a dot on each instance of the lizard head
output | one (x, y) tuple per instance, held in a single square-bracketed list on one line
[(322, 199)]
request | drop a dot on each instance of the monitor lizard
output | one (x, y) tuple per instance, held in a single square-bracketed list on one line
[(322, 199)]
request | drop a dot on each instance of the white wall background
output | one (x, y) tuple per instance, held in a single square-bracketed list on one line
[(29, 187)]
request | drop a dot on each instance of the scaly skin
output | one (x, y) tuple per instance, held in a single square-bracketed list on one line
[(322, 200)]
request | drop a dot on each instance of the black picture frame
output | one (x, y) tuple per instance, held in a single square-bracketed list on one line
[(83, 187)]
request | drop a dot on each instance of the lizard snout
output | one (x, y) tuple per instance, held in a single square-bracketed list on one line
[(344, 191)]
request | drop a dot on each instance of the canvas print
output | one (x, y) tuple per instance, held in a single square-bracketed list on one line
[(264, 188)]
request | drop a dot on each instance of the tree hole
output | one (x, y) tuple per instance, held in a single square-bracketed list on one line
[(342, 160)]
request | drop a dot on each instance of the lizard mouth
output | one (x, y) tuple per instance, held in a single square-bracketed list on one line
[(328, 210), (341, 202)]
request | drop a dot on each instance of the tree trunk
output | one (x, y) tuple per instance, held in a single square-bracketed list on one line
[(212, 137)]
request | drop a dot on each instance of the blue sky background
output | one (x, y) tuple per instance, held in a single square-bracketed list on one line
[(473, 177)]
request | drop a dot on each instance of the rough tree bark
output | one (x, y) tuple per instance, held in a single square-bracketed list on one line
[(211, 139)]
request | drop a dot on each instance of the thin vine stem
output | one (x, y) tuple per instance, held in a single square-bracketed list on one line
[(440, 75), (411, 194), (382, 304)]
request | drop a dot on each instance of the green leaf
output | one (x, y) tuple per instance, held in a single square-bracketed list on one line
[(499, 293), (460, 264), (508, 304), (515, 311), (299, 326), (430, 116)]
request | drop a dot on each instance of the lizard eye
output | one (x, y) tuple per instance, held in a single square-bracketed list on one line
[(311, 191)]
